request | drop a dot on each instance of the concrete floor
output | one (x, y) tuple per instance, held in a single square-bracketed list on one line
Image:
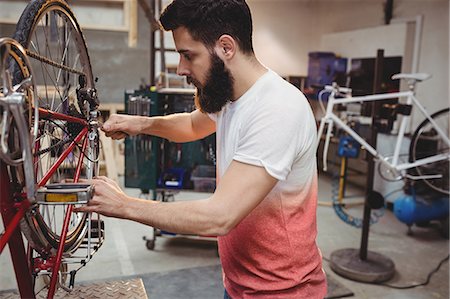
[(124, 252)]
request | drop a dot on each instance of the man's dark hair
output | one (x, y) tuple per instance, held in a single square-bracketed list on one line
[(207, 20)]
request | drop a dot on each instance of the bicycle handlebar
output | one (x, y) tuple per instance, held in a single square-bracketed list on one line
[(338, 89), (334, 89)]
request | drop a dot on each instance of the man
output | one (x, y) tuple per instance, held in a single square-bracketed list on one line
[(264, 207)]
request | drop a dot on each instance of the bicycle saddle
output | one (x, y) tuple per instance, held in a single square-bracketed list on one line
[(417, 76)]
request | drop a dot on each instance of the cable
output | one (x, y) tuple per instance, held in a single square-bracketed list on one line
[(427, 281), (340, 208)]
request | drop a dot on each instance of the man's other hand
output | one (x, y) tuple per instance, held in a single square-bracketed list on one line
[(108, 199)]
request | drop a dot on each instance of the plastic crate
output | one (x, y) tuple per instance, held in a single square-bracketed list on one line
[(172, 178), (204, 178), (323, 69)]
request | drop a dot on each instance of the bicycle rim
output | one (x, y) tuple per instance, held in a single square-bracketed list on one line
[(13, 59), (427, 142), (59, 58)]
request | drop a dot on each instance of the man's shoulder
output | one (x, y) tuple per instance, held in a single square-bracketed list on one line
[(282, 95), (275, 84)]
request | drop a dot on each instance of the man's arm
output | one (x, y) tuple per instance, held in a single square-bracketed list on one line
[(178, 127), (240, 190)]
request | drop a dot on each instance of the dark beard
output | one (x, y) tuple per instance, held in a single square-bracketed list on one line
[(218, 89)]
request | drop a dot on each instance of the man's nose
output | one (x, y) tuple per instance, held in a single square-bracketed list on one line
[(182, 70)]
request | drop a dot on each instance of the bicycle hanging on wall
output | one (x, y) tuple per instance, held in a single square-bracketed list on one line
[(49, 141)]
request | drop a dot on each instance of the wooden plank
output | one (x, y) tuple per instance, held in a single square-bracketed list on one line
[(113, 12), (113, 108), (132, 23), (108, 156)]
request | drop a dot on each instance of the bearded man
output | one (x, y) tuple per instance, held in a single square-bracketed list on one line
[(263, 210)]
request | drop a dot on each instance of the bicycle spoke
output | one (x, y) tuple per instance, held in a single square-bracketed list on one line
[(63, 58), (425, 143), (53, 219)]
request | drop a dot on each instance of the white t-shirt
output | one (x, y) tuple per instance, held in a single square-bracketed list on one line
[(272, 252), (271, 125)]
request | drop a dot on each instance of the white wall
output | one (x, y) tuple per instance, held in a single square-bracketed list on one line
[(284, 34), (364, 43), (285, 31), (298, 26)]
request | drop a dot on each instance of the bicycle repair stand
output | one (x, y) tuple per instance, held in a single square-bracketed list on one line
[(363, 265), (8, 207)]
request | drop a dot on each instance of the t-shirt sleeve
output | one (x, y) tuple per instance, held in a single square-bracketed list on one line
[(272, 138), (213, 116)]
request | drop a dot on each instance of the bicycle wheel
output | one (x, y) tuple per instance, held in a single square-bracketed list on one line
[(426, 142), (54, 42)]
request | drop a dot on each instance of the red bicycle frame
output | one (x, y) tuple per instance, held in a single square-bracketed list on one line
[(14, 206)]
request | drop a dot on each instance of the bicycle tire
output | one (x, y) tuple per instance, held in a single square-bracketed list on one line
[(53, 38), (19, 152), (426, 142)]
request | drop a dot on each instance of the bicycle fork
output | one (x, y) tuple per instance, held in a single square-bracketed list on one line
[(329, 122), (13, 110)]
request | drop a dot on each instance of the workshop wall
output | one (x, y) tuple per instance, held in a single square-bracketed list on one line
[(284, 32), (297, 27), (434, 48), (118, 66), (434, 57)]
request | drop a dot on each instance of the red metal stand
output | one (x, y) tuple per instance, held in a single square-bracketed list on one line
[(15, 241)]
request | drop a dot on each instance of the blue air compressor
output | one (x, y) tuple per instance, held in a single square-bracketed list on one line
[(411, 209)]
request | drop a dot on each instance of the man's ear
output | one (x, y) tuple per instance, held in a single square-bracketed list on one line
[(226, 46)]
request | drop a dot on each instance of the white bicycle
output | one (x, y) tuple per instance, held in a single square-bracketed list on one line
[(429, 150)]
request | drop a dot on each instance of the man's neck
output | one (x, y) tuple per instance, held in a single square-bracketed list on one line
[(245, 73)]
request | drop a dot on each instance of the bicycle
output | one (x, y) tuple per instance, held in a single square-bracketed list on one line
[(429, 149), (49, 135)]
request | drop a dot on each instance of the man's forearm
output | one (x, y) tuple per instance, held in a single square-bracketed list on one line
[(175, 127), (197, 217)]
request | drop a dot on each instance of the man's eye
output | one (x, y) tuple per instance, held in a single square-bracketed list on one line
[(187, 57)]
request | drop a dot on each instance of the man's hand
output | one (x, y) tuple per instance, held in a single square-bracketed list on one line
[(119, 126), (108, 200)]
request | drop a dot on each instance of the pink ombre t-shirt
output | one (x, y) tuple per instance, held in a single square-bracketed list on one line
[(272, 253)]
